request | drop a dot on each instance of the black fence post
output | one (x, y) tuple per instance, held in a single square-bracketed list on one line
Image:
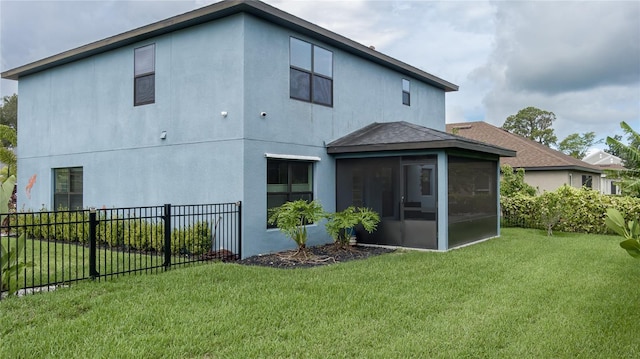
[(239, 207), (93, 224), (167, 236)]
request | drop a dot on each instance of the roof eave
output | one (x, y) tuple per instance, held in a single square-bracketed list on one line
[(559, 168), (432, 145), (217, 11)]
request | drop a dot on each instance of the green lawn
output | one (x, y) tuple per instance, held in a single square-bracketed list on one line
[(523, 295), (56, 262)]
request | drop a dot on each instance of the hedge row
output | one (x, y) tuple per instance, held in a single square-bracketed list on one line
[(567, 209), (131, 233)]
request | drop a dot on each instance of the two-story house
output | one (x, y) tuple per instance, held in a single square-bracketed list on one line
[(240, 101)]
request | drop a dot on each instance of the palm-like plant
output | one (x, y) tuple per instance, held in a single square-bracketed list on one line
[(11, 261), (629, 177), (292, 217), (341, 223)]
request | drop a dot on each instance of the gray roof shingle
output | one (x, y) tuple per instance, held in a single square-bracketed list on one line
[(394, 136)]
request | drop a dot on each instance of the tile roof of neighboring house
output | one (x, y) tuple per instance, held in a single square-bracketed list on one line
[(531, 155), (219, 10), (393, 136)]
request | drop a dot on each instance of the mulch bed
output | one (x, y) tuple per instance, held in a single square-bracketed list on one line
[(314, 256)]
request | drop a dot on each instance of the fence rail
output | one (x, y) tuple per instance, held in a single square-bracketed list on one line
[(43, 250)]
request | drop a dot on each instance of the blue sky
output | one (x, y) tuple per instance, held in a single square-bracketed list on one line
[(580, 60)]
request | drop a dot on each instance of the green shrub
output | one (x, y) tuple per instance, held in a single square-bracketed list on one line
[(513, 183), (340, 224), (195, 239), (127, 233), (292, 217), (567, 209)]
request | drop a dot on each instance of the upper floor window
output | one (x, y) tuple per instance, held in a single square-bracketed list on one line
[(67, 188), (406, 92), (311, 73), (144, 87)]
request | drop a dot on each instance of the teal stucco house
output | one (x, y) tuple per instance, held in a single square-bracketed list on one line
[(240, 101)]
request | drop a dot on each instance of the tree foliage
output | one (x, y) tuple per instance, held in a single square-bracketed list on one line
[(630, 154), (9, 111), (534, 124), (512, 182), (576, 145), (611, 150), (9, 139)]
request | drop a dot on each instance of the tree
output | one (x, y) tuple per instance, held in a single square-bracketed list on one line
[(9, 111), (611, 150), (9, 139), (534, 124), (576, 145), (630, 154)]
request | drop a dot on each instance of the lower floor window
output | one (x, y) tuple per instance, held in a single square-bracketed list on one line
[(587, 181), (67, 188), (288, 180)]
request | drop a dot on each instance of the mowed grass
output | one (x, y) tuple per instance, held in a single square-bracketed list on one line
[(58, 262), (524, 295)]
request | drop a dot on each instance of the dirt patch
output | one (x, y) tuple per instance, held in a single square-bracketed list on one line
[(314, 256)]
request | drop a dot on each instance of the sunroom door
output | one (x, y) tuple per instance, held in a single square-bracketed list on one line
[(418, 205)]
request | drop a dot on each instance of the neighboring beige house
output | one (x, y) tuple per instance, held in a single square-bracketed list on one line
[(605, 161), (545, 168)]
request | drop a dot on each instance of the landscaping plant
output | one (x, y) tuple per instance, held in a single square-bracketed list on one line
[(341, 224), (629, 230), (10, 258), (292, 217)]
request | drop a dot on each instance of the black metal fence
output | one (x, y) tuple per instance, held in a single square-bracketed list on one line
[(45, 250)]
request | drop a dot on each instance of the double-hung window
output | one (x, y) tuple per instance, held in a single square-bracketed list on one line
[(67, 188), (144, 87), (406, 92), (311, 73), (288, 180)]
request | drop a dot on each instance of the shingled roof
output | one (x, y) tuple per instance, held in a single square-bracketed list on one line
[(531, 155), (395, 136), (217, 11)]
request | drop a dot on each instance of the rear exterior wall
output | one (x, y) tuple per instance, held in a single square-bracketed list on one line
[(82, 115)]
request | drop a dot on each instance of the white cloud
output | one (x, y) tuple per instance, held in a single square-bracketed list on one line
[(580, 60)]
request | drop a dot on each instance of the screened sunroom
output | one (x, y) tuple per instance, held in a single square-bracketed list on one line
[(432, 190)]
